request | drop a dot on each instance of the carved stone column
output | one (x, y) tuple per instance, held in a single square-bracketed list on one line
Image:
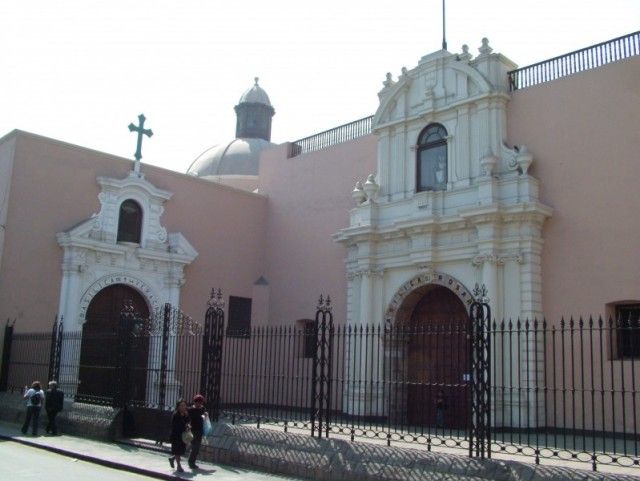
[(361, 399)]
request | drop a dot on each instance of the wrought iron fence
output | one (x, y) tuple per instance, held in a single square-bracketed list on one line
[(556, 390), (565, 390), (574, 62), (154, 364), (337, 135)]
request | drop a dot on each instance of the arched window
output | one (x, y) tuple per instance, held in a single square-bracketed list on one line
[(431, 168), (130, 222)]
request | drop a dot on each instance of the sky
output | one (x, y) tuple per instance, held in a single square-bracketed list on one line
[(81, 70)]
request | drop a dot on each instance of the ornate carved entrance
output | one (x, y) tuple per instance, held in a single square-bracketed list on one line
[(97, 375), (438, 360)]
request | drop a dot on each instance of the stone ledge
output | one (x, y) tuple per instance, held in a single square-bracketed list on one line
[(336, 459)]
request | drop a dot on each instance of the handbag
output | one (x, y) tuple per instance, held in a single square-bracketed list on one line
[(206, 426), (187, 436)]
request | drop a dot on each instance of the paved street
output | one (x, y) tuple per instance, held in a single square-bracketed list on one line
[(26, 463), (22, 462)]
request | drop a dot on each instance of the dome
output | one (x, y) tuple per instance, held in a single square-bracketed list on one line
[(255, 95), (238, 157)]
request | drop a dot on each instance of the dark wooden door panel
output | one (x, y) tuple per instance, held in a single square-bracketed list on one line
[(438, 360), (100, 344)]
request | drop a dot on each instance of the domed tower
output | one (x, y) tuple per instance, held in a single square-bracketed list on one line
[(254, 113), (236, 163)]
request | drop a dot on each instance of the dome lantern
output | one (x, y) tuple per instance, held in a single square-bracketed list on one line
[(253, 114)]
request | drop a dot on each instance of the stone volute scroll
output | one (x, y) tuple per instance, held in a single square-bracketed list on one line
[(520, 158)]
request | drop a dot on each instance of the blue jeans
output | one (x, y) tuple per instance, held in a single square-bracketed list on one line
[(33, 412)]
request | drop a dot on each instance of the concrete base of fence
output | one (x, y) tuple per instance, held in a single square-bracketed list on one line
[(335, 459), (86, 420)]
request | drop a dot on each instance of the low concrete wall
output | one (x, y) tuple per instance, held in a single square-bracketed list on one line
[(334, 459), (85, 420)]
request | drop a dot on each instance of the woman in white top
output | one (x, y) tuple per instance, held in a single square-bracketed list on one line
[(35, 400)]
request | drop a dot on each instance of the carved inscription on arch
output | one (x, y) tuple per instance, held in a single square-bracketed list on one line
[(105, 281), (422, 279)]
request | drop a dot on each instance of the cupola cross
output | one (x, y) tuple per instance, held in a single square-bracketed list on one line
[(141, 131)]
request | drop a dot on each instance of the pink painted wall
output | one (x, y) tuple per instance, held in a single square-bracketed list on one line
[(583, 133), (7, 148), (309, 198), (54, 188)]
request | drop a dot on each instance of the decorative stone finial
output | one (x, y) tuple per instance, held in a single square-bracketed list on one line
[(465, 56), (485, 49), (405, 72), (371, 188), (524, 159), (358, 194), (389, 80), (256, 79)]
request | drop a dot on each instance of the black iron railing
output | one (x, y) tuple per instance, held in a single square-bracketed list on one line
[(574, 62), (337, 135), (161, 356), (557, 391), (563, 390)]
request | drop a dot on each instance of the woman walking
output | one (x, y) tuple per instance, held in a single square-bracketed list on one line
[(179, 424)]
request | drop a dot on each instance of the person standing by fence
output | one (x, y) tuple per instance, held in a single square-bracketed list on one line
[(197, 415), (35, 399), (53, 405)]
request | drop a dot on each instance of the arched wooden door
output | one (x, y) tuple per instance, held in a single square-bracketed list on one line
[(97, 376), (438, 361)]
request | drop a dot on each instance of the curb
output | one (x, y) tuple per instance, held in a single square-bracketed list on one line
[(95, 460)]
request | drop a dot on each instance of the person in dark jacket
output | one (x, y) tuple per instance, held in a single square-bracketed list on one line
[(179, 424), (53, 405), (35, 397), (197, 415)]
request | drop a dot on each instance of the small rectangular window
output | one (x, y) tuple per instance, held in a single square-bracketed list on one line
[(628, 330), (306, 338), (239, 321)]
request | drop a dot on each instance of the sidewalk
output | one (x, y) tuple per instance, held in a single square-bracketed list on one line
[(130, 458)]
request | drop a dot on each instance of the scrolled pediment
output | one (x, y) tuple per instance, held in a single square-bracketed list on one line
[(435, 84), (99, 232)]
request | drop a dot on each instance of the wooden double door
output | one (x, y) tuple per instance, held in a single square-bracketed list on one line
[(98, 377), (438, 364)]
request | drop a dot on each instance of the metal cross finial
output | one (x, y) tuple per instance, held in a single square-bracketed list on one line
[(141, 131)]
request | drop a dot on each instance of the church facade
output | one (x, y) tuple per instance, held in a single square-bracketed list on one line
[(461, 181)]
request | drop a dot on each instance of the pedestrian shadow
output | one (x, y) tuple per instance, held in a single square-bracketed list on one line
[(128, 447), (203, 471)]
